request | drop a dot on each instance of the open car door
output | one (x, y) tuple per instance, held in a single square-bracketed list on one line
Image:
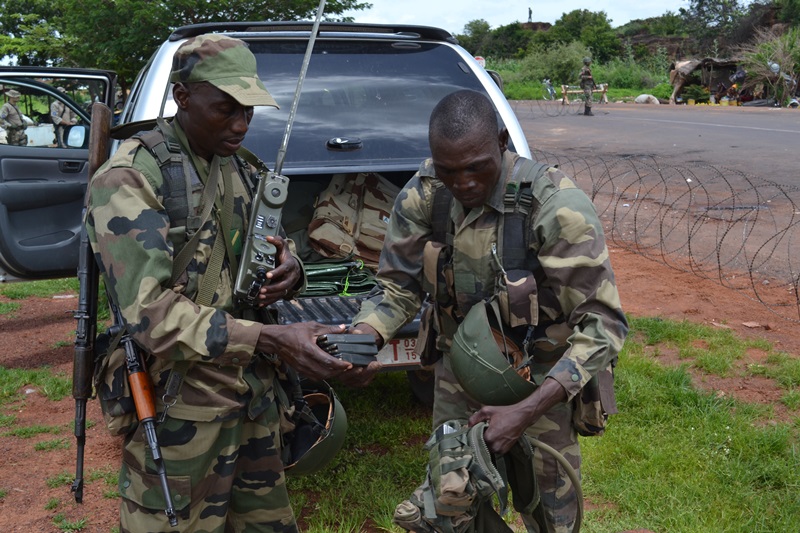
[(43, 176)]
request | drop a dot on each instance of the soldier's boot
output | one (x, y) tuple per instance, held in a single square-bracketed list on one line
[(588, 112)]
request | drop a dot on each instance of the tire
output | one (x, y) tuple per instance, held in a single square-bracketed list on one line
[(422, 382), (548, 94)]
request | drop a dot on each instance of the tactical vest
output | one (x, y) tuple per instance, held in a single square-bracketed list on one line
[(515, 263)]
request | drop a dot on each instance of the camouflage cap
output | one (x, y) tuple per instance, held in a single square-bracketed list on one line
[(11, 93), (224, 62)]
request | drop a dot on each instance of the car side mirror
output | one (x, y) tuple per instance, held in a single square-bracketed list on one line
[(77, 136)]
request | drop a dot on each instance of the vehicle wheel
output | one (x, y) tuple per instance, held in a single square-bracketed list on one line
[(548, 95), (422, 382)]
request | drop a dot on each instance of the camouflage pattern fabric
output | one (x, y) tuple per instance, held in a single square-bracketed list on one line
[(351, 217), (587, 84), (230, 478), (221, 61), (134, 246), (12, 122), (580, 325)]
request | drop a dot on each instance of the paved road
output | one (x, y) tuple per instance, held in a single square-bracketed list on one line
[(762, 142)]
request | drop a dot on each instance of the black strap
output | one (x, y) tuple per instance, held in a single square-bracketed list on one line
[(175, 190)]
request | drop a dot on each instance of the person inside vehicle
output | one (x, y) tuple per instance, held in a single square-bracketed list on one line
[(220, 439), (12, 120), (62, 116), (570, 314)]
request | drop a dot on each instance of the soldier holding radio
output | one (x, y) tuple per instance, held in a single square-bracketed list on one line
[(220, 433)]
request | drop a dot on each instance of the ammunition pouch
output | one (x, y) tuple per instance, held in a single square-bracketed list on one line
[(464, 478)]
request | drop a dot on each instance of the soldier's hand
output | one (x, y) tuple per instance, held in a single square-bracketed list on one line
[(284, 277), (296, 345)]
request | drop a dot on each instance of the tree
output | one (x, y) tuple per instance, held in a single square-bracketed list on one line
[(592, 29), (121, 35), (476, 35), (508, 41), (711, 19)]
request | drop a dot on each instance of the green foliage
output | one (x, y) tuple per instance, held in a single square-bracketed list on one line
[(475, 37), (54, 386), (59, 480), (768, 48), (51, 504), (3, 494), (592, 29), (61, 522), (628, 74), (27, 432), (42, 289), (122, 35), (712, 19), (789, 11), (511, 40), (8, 308), (698, 93), (54, 444), (666, 25)]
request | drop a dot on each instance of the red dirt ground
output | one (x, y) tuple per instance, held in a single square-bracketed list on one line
[(28, 337)]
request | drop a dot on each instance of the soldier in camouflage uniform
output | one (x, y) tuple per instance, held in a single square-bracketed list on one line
[(220, 440), (580, 326), (588, 85), (12, 121)]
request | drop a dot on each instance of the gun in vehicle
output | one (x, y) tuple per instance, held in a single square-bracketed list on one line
[(83, 361)]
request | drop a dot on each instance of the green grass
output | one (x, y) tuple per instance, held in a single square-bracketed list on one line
[(54, 444), (27, 432), (52, 504), (9, 308), (53, 386), (675, 459), (3, 494), (61, 479), (43, 289), (61, 522)]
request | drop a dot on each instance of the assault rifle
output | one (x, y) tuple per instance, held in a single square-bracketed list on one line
[(85, 357), (83, 361)]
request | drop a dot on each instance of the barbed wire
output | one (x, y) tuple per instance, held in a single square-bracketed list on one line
[(721, 224)]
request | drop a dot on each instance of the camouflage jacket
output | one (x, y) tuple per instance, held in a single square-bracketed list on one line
[(587, 81), (580, 326), (134, 245), (11, 117)]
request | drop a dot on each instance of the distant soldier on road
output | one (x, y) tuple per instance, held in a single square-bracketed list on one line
[(587, 84)]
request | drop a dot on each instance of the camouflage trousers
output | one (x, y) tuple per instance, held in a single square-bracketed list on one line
[(554, 429), (587, 97), (16, 137), (224, 477)]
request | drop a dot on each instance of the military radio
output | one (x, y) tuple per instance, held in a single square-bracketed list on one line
[(258, 256)]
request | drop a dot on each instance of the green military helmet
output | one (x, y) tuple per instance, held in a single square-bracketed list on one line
[(587, 60), (482, 356), (319, 434)]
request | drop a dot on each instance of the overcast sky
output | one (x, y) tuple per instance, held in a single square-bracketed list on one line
[(453, 15)]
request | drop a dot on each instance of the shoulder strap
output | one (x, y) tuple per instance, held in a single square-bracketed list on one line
[(175, 188), (512, 233), (517, 201)]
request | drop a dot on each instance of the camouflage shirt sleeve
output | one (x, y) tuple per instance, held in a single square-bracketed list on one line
[(572, 251), (128, 229), (400, 267)]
